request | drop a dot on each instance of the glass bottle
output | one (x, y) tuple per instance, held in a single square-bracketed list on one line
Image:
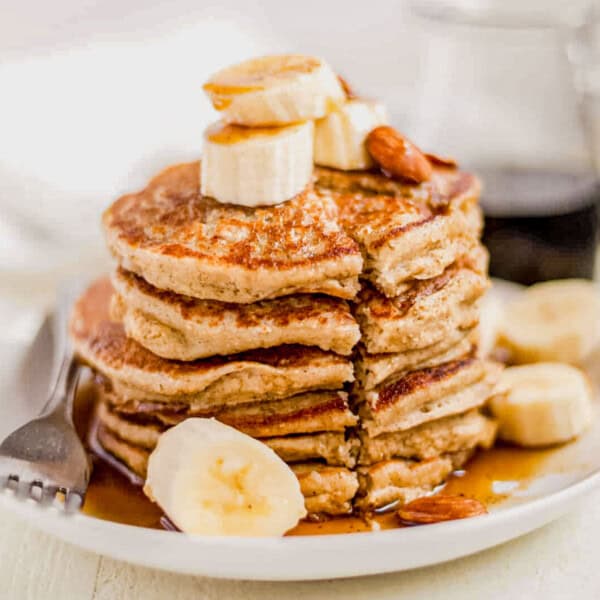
[(497, 90)]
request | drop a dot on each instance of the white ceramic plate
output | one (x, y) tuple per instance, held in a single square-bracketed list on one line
[(568, 474)]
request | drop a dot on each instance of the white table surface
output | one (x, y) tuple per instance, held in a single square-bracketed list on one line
[(559, 561)]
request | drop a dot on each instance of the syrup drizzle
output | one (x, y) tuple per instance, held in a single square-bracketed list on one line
[(115, 493)]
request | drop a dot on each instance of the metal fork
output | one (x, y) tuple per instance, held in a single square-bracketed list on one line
[(45, 457)]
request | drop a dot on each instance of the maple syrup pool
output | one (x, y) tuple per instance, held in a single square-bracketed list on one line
[(114, 494)]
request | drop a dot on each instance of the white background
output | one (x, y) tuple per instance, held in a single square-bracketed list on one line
[(96, 96)]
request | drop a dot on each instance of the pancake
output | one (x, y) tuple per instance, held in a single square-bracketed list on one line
[(253, 376), (193, 245), (183, 328), (432, 439), (428, 394), (373, 369), (144, 435), (133, 457), (405, 231), (425, 312), (401, 481), (330, 447), (326, 489), (304, 413)]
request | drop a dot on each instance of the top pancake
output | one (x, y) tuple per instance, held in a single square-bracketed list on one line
[(181, 241), (405, 231)]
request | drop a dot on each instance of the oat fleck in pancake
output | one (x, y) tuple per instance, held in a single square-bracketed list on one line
[(405, 231), (182, 328), (178, 240), (258, 375)]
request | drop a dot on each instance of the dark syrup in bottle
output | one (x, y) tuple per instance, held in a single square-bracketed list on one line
[(540, 225)]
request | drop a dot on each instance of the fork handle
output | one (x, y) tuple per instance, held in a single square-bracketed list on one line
[(63, 393), (66, 370), (61, 342)]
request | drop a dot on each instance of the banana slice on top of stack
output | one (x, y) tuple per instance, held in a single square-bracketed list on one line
[(275, 90), (256, 166), (261, 152), (340, 136), (279, 115)]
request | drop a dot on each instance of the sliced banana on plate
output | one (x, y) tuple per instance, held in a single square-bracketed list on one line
[(542, 404), (340, 136), (275, 90), (555, 320), (490, 317), (211, 479), (256, 166)]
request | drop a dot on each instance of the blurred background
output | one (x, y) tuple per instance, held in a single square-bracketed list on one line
[(95, 97)]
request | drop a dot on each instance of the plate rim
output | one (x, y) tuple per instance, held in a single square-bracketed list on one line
[(553, 505)]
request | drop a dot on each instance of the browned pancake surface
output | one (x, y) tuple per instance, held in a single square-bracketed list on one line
[(267, 373), (184, 328), (180, 240), (405, 231)]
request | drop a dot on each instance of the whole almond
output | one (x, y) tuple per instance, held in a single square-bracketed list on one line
[(443, 161), (397, 155), (435, 509)]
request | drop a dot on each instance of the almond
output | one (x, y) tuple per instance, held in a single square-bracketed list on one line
[(398, 156), (442, 161), (435, 509)]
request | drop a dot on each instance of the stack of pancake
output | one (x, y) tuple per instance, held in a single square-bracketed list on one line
[(253, 316), (419, 381), (228, 312)]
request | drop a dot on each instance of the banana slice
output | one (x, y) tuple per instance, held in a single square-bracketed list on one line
[(340, 136), (254, 167), (542, 404), (555, 320), (490, 317), (275, 90), (211, 479)]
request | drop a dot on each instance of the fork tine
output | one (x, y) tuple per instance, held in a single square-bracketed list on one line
[(42, 492), (36, 490), (74, 500), (12, 482), (48, 494)]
